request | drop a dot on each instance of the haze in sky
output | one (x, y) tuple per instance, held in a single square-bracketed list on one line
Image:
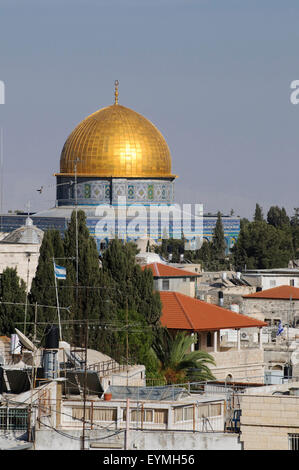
[(214, 76)]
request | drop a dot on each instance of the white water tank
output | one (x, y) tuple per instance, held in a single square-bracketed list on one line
[(235, 308)]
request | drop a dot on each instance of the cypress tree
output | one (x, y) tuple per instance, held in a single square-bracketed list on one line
[(258, 215), (134, 286), (92, 299), (43, 284), (12, 289), (42, 287), (218, 243)]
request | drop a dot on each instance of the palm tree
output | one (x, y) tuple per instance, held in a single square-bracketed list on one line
[(178, 362)]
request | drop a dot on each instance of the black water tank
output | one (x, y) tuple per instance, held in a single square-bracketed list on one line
[(52, 337)]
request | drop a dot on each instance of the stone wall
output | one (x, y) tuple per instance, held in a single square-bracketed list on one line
[(273, 309), (15, 256), (267, 420), (240, 365)]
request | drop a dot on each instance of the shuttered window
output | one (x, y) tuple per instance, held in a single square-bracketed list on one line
[(78, 412), (97, 414), (149, 416)]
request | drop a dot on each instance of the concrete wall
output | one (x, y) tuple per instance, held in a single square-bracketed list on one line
[(138, 440)]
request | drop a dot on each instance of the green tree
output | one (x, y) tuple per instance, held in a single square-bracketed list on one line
[(91, 294), (172, 246), (295, 231), (43, 284), (295, 218), (262, 246), (204, 255), (176, 360), (258, 215), (134, 327), (218, 242), (133, 286), (13, 291), (278, 217)]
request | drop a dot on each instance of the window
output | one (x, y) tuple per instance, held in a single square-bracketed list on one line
[(165, 284), (292, 282), (97, 414), (13, 418), (104, 414), (203, 411), (209, 340), (183, 414), (160, 416), (293, 441), (157, 416), (78, 412), (215, 409), (208, 411), (137, 416)]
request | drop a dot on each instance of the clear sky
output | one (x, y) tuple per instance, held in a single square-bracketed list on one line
[(213, 75)]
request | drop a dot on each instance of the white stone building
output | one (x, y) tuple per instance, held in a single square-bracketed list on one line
[(20, 250)]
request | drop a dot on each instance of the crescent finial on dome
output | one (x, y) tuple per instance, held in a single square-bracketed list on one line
[(116, 83)]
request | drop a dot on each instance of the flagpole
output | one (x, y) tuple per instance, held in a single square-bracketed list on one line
[(57, 301)]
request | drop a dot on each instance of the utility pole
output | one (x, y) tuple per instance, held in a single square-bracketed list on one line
[(57, 300), (35, 319), (127, 442), (85, 384), (127, 334), (77, 246)]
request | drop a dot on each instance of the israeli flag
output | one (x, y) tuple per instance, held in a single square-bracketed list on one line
[(280, 329), (60, 272)]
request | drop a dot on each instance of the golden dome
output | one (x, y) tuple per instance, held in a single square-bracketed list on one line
[(116, 142)]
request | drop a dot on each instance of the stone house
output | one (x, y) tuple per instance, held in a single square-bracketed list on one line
[(269, 278), (279, 304), (183, 313), (169, 278)]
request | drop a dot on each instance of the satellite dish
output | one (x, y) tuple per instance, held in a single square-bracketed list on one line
[(295, 358), (25, 341)]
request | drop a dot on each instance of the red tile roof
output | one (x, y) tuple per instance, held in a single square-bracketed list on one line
[(164, 270), (280, 292), (182, 312)]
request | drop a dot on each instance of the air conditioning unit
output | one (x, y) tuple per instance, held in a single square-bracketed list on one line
[(244, 336)]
